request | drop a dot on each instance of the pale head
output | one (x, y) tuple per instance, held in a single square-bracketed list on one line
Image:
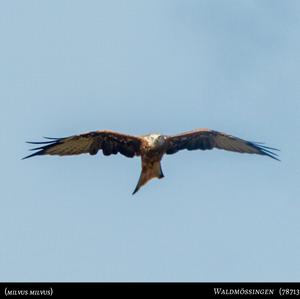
[(155, 140)]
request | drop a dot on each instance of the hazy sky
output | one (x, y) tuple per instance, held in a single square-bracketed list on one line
[(167, 66)]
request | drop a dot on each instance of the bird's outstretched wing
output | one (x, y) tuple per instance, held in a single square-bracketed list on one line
[(109, 142), (205, 139)]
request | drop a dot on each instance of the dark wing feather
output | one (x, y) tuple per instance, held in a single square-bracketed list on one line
[(205, 139), (107, 141)]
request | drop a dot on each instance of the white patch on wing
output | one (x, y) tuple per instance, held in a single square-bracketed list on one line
[(71, 146)]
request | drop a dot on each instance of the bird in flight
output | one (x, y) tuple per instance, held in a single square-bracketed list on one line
[(150, 148)]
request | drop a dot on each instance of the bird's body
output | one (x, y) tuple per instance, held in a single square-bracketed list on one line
[(155, 146), (151, 148)]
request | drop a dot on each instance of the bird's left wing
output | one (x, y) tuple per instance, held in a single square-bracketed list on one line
[(205, 139), (109, 142)]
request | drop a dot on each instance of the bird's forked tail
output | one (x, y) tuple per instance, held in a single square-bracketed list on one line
[(149, 171)]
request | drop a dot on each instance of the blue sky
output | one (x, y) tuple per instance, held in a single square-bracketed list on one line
[(137, 67)]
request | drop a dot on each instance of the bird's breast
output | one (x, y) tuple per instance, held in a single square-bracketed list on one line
[(154, 145)]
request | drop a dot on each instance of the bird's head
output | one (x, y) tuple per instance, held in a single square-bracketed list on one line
[(155, 140)]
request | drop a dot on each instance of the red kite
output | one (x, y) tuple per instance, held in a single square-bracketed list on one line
[(150, 147)]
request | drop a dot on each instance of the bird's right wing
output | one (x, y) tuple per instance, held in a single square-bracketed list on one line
[(107, 141)]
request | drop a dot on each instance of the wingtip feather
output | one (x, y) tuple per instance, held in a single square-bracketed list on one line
[(268, 151)]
